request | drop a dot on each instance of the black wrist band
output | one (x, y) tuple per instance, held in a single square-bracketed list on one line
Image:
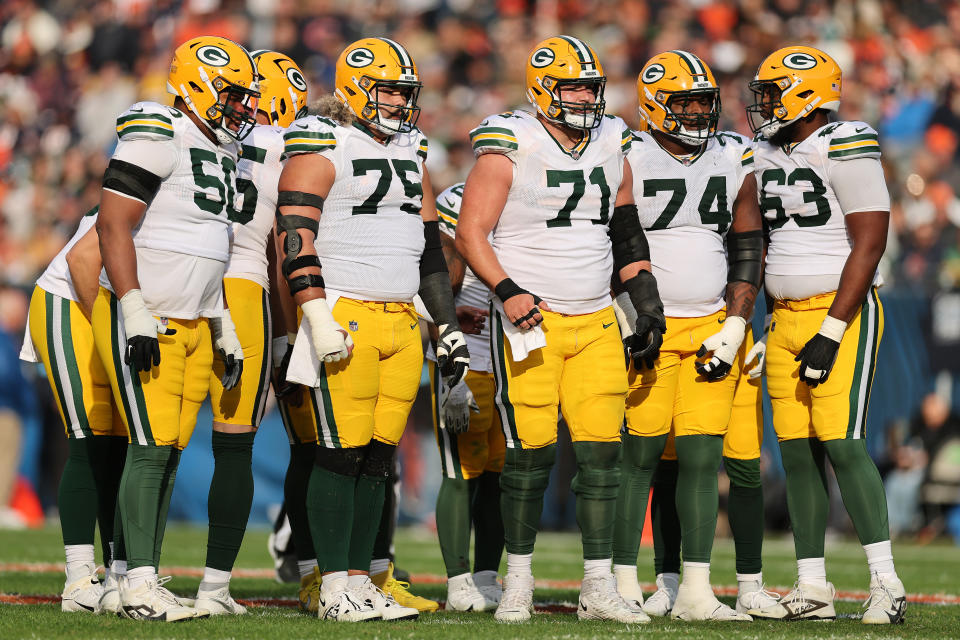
[(507, 288)]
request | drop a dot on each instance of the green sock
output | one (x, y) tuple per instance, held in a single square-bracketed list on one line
[(861, 489), (745, 512), (664, 519), (522, 484), (330, 512), (295, 496), (698, 457), (367, 515), (595, 486), (807, 498), (453, 524), (383, 545), (487, 523), (640, 457), (230, 497), (141, 492), (77, 496), (170, 476)]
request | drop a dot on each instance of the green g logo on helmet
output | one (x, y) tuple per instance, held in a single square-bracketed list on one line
[(213, 56)]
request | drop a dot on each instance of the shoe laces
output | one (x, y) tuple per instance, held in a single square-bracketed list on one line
[(878, 593), (796, 595), (165, 594), (762, 592)]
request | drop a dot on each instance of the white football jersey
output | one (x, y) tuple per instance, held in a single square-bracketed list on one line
[(371, 233), (183, 239), (809, 243), (551, 238), (56, 277), (472, 292), (258, 172), (686, 209)]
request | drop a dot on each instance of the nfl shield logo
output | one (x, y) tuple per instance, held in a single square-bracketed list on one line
[(353, 325)]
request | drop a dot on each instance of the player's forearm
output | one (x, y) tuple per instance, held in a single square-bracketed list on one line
[(282, 306), (478, 253), (855, 281), (740, 298), (455, 264), (86, 283), (119, 256)]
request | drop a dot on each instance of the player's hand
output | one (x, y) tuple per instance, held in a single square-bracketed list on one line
[(471, 319), (523, 310), (330, 341), (228, 347), (290, 393), (455, 406), (724, 344), (759, 352), (644, 345), (141, 329), (816, 359), (453, 359)]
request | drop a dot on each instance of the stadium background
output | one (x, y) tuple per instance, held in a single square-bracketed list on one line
[(68, 67)]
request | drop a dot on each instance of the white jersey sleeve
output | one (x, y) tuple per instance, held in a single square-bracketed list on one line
[(258, 173), (56, 278)]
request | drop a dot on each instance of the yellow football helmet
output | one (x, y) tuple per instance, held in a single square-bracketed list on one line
[(668, 83), (565, 61), (217, 80), (791, 83), (369, 65), (283, 90)]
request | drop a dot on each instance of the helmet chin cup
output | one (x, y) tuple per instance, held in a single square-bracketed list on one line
[(224, 136)]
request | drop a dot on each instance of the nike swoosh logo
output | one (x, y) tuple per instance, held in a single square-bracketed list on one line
[(607, 326), (450, 202), (861, 129), (302, 126), (137, 110), (413, 326)]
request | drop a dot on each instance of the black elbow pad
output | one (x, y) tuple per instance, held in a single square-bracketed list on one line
[(745, 256), (628, 241), (131, 180)]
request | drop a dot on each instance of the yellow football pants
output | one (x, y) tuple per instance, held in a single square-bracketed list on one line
[(369, 394), (159, 406), (581, 371), (836, 408), (250, 311), (63, 339), (482, 447)]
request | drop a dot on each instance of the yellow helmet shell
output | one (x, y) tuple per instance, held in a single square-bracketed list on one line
[(283, 89), (670, 74), (202, 69), (565, 60), (807, 79), (370, 63)]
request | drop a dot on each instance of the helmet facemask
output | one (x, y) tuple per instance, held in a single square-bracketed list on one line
[(578, 115), (232, 117), (405, 115), (690, 128)]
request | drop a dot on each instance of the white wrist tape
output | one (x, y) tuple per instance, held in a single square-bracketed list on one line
[(833, 328), (319, 314)]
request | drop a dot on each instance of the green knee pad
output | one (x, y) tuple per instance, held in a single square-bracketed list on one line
[(596, 485), (523, 482)]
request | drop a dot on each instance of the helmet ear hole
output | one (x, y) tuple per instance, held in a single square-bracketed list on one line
[(805, 94), (351, 91), (195, 87)]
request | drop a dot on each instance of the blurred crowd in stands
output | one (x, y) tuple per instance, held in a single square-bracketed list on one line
[(68, 67)]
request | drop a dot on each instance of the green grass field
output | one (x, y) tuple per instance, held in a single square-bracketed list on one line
[(926, 570)]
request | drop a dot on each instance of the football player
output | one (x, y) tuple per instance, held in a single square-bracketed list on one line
[(356, 198), (59, 335), (238, 403), (554, 190), (164, 228), (471, 443), (698, 206), (826, 207)]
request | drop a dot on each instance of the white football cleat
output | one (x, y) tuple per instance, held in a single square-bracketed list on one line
[(464, 595), (516, 604), (887, 603), (337, 603), (804, 602), (699, 603), (661, 602), (489, 585), (110, 600), (752, 595), (599, 600), (218, 602), (150, 601), (629, 589), (385, 604), (82, 592)]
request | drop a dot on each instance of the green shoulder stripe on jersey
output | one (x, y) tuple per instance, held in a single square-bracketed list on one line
[(495, 142), (869, 149), (305, 148), (130, 128), (422, 149), (253, 154), (307, 142), (856, 138), (92, 212), (626, 139), (747, 158), (448, 217), (503, 131), (143, 116), (323, 137)]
